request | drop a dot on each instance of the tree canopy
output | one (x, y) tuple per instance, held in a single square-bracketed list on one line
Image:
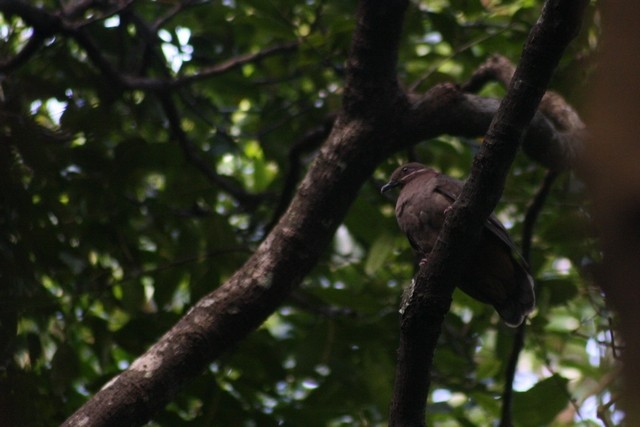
[(150, 148)]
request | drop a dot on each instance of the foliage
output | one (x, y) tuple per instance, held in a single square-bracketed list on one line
[(113, 230)]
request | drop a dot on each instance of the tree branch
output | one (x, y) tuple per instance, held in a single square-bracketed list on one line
[(429, 296), (32, 46), (533, 211), (373, 58), (309, 141), (228, 314), (248, 201), (145, 83), (496, 68), (558, 154), (500, 69), (445, 108), (518, 340), (175, 10)]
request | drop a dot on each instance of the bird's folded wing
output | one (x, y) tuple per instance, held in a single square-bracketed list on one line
[(450, 188)]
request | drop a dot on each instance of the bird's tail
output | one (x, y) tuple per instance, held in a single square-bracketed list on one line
[(518, 306)]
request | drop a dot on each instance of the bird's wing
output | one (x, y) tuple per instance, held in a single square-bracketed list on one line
[(496, 228), (450, 188), (413, 243)]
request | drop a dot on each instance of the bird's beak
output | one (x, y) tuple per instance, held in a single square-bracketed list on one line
[(389, 185)]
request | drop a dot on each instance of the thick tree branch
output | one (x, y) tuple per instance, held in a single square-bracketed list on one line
[(558, 153), (554, 106), (429, 297), (228, 314), (447, 109), (373, 59)]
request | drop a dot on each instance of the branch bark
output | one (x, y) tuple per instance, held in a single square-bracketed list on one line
[(429, 296), (449, 109), (556, 153), (356, 145)]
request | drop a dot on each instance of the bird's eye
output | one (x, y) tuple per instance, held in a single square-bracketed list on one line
[(405, 169)]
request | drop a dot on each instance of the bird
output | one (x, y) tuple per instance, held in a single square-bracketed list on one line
[(496, 274)]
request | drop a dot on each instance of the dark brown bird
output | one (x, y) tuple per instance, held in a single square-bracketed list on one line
[(496, 274)]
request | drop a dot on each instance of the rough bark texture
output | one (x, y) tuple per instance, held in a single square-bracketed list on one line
[(225, 316), (430, 294), (556, 132), (614, 178)]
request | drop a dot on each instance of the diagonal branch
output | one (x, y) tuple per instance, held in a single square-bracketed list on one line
[(228, 314), (429, 297), (555, 107), (533, 211), (248, 201), (446, 108), (562, 117), (29, 49), (309, 141), (146, 83), (175, 10)]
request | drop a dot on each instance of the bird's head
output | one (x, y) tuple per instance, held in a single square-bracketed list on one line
[(404, 174)]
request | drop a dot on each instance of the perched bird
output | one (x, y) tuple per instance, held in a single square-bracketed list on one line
[(496, 273)]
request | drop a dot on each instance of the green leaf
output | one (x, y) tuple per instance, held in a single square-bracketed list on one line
[(379, 253), (539, 405)]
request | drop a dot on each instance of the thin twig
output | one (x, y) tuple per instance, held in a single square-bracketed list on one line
[(24, 55), (308, 142), (414, 86), (533, 210), (248, 201), (174, 11), (531, 216)]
